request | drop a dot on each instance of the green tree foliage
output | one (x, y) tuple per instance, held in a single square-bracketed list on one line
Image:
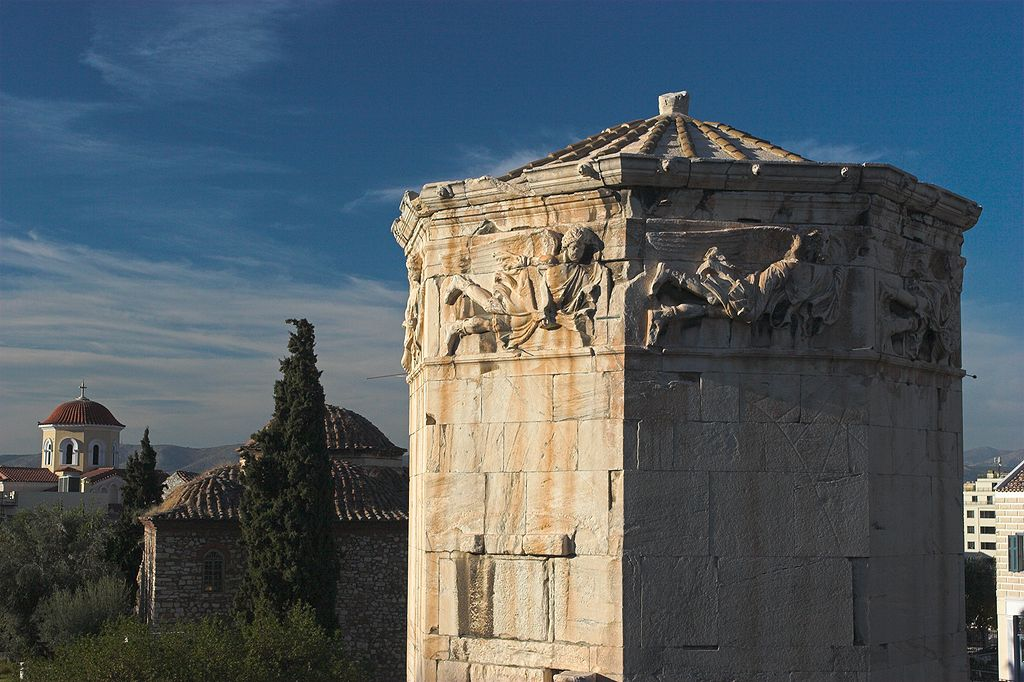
[(287, 510), (67, 614), (266, 649), (980, 589), (43, 550), (142, 489)]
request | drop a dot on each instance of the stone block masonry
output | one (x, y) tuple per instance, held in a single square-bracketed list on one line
[(371, 583), (684, 406)]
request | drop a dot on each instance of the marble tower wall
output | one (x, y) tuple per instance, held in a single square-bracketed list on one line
[(685, 432)]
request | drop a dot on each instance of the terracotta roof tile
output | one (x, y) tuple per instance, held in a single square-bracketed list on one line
[(81, 411), (27, 475), (102, 474), (1014, 481)]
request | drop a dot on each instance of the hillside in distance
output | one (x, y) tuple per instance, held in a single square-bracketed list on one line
[(170, 458), (977, 461)]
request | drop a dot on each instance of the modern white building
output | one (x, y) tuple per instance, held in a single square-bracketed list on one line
[(1008, 496), (980, 514)]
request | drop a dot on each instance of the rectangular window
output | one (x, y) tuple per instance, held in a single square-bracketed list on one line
[(988, 530), (988, 545), (970, 513), (970, 545), (987, 514), (970, 529), (1015, 544), (989, 499), (974, 498)]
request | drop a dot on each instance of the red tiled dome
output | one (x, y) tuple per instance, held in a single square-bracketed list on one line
[(81, 411)]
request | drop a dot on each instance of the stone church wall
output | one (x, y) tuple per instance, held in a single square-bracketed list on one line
[(372, 594), (371, 583), (172, 570)]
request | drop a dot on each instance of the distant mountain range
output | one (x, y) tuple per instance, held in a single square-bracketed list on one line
[(979, 460), (170, 458)]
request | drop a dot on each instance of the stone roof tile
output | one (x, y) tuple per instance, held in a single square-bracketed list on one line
[(352, 433), (672, 133), (361, 493)]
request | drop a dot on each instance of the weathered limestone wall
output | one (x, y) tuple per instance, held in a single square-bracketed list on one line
[(515, 470), (709, 430), (371, 583), (801, 492)]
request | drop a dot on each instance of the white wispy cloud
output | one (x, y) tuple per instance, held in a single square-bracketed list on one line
[(473, 162), (200, 343), (181, 51), (827, 152), (382, 195), (478, 161)]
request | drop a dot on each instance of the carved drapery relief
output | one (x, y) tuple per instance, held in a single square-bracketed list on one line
[(560, 287), (919, 316), (412, 348), (799, 290)]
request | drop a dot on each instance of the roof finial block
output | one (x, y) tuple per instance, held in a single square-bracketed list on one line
[(674, 103)]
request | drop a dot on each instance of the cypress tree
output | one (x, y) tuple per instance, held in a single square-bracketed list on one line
[(142, 489), (287, 511)]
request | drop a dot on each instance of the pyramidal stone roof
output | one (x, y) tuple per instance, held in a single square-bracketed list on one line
[(672, 133), (673, 150)]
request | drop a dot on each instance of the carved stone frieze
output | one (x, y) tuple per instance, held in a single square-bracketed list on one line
[(919, 315), (412, 347), (800, 290), (559, 287)]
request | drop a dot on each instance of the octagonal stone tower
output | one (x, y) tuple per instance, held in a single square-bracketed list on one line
[(685, 406)]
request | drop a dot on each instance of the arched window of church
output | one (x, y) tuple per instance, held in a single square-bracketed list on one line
[(68, 452), (97, 455), (213, 571), (48, 453)]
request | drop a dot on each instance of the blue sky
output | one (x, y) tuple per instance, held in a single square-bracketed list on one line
[(176, 179)]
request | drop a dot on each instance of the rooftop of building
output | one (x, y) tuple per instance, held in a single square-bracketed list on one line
[(350, 434), (81, 412), (1014, 481), (27, 475), (674, 149), (361, 493), (672, 133), (102, 474)]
